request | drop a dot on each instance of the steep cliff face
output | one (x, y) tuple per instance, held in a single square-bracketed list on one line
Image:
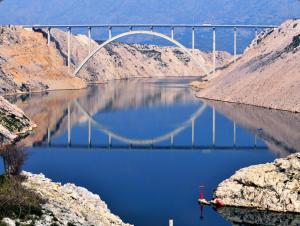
[(122, 61), (267, 74), (27, 63)]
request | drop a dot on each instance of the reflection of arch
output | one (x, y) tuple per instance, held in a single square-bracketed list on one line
[(201, 64), (144, 141)]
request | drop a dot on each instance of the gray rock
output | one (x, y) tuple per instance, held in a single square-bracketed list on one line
[(272, 186), (8, 222)]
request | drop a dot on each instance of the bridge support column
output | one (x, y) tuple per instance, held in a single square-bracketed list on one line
[(151, 28), (172, 33), (69, 48), (214, 127), (193, 132), (90, 38), (130, 29), (234, 44), (234, 134), (69, 124), (172, 140), (256, 35), (48, 35), (214, 49), (90, 132), (193, 38), (109, 32), (49, 136), (109, 140), (255, 140)]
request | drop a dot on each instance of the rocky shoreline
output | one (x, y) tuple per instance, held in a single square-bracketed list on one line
[(272, 186), (67, 204)]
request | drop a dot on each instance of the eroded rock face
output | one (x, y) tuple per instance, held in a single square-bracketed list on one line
[(70, 205), (272, 186), (13, 123)]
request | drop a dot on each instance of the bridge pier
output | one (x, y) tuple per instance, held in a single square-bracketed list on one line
[(235, 44), (90, 132), (69, 48), (193, 38), (90, 39), (172, 33), (151, 28), (172, 140), (234, 134), (69, 124), (214, 49), (109, 32), (48, 35), (256, 35), (193, 132), (214, 127), (109, 140), (49, 136), (130, 29)]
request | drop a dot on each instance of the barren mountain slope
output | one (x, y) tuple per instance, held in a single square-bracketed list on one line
[(27, 63), (267, 74)]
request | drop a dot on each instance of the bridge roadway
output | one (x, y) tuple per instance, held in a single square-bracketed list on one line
[(145, 27)]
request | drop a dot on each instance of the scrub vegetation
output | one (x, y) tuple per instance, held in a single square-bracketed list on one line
[(16, 202)]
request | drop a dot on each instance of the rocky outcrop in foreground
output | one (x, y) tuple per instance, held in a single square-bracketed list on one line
[(69, 205), (267, 74), (13, 123), (272, 186)]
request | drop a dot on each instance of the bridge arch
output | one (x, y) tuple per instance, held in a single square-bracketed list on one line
[(152, 140), (200, 62)]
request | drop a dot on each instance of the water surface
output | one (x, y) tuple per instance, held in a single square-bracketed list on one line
[(145, 146)]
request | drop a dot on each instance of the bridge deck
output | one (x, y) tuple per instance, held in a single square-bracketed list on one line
[(152, 25)]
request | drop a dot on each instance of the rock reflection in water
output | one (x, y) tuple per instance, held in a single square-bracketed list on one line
[(49, 109), (242, 216), (279, 129)]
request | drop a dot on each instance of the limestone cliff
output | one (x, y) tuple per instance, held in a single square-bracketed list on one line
[(267, 74)]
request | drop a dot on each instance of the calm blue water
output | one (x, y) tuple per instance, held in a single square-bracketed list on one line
[(145, 185)]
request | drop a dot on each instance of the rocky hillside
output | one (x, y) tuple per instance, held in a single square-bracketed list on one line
[(27, 63), (272, 186), (267, 74), (13, 123), (122, 61)]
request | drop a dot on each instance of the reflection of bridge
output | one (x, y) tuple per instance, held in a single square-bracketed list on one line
[(151, 143), (142, 30)]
